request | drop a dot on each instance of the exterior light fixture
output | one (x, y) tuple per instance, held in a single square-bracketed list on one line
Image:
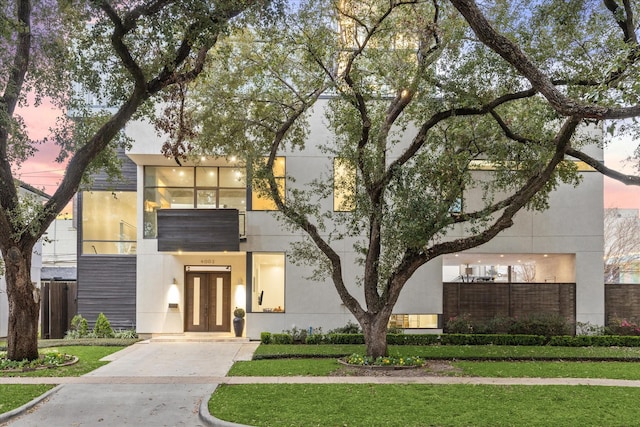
[(174, 294), (241, 294)]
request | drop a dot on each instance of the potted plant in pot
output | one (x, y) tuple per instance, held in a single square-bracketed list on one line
[(238, 321)]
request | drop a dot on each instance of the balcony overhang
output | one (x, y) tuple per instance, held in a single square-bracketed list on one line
[(198, 230)]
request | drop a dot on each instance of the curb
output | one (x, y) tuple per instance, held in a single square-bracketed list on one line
[(4, 417), (210, 420)]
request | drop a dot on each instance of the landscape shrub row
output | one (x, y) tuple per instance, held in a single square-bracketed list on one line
[(102, 329), (463, 339)]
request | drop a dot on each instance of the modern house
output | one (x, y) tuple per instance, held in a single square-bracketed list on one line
[(175, 248), (24, 190)]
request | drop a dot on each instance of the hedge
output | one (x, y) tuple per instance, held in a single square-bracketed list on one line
[(465, 339)]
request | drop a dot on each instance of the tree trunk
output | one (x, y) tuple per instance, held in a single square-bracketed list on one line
[(24, 306), (374, 329)]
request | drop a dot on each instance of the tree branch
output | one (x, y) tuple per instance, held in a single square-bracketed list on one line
[(600, 167), (510, 52)]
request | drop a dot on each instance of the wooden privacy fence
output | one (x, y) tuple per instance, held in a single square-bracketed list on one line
[(59, 303), (622, 301), (484, 301)]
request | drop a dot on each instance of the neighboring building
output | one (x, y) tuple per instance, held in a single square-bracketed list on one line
[(36, 261), (622, 246), (175, 249)]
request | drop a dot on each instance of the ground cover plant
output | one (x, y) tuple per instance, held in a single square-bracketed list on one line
[(442, 405)]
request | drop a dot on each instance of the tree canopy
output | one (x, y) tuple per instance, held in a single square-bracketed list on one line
[(120, 55), (428, 102)]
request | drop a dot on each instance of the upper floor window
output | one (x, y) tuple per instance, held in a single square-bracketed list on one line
[(109, 222), (203, 187), (263, 202)]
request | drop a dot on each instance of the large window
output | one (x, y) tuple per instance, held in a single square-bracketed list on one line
[(259, 200), (268, 282), (413, 321), (109, 222), (208, 187)]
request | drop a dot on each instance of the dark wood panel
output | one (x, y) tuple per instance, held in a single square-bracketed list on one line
[(107, 284), (58, 306), (622, 301), (193, 230), (484, 301)]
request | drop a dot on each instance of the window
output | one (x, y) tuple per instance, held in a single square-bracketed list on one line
[(109, 222), (263, 202), (268, 282), (413, 321), (210, 187), (344, 185)]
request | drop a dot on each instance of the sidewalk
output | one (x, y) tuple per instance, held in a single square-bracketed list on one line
[(169, 383)]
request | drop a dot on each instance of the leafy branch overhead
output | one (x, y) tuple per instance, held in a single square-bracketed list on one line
[(79, 54), (452, 117)]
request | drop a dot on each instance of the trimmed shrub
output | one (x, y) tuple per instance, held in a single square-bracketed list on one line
[(412, 339), (540, 324), (345, 339), (349, 328), (102, 328), (281, 339), (461, 324), (315, 339), (546, 324), (265, 337), (297, 335), (488, 339)]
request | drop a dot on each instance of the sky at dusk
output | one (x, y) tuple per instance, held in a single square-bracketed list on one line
[(44, 173)]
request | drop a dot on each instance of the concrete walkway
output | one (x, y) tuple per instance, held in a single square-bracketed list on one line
[(169, 383), (146, 384)]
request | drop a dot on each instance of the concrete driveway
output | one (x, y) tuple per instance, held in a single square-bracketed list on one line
[(146, 384)]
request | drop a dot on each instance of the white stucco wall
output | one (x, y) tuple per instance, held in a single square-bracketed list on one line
[(572, 228)]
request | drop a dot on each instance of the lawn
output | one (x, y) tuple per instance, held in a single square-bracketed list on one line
[(456, 352), (442, 405), (502, 369), (424, 405), (15, 395)]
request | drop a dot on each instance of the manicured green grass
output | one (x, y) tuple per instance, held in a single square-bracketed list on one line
[(552, 369), (522, 369), (89, 359), (424, 405), (13, 396), (455, 352), (284, 368)]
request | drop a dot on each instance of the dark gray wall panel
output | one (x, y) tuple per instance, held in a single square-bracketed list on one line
[(107, 284), (193, 230), (126, 183)]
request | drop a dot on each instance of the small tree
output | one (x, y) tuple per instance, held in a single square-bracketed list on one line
[(102, 328)]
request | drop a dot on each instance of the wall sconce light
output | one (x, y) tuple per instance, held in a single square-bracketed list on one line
[(174, 294), (241, 294)]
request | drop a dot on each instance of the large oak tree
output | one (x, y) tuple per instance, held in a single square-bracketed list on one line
[(421, 93), (125, 55)]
